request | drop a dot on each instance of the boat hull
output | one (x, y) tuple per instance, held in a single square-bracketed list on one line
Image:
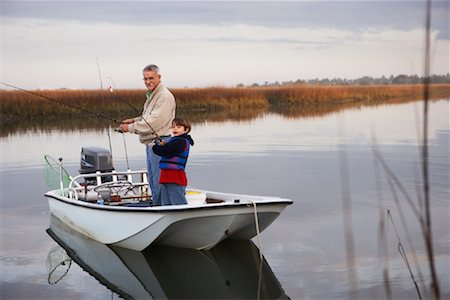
[(197, 227)]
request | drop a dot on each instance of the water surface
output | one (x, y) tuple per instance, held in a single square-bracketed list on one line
[(298, 158)]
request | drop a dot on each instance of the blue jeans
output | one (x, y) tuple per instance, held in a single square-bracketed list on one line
[(171, 194), (154, 171)]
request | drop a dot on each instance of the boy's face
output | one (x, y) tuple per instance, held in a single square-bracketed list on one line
[(178, 130)]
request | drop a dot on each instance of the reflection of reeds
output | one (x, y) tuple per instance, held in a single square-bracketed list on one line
[(20, 110)]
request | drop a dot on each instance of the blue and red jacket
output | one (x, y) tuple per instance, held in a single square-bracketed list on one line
[(174, 155)]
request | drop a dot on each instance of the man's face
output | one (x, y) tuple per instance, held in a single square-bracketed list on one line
[(151, 80)]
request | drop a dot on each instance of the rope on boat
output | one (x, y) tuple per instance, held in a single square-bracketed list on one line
[(255, 212)]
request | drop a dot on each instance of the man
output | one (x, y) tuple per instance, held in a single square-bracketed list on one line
[(155, 122)]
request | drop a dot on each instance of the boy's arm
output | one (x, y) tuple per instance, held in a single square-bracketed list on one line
[(170, 149)]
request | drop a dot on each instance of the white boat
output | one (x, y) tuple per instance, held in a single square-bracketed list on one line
[(127, 219)]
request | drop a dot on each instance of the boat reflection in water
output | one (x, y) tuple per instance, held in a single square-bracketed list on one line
[(230, 270)]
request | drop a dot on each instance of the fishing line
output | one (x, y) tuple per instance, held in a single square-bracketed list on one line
[(97, 115)]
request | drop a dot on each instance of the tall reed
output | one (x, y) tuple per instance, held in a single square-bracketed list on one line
[(421, 208)]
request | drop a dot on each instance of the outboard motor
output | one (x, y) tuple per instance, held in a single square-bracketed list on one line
[(95, 159)]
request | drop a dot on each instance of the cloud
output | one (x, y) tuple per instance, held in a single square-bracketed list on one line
[(200, 44), (351, 15)]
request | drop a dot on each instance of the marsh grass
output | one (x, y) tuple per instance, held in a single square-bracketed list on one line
[(20, 110), (219, 98)]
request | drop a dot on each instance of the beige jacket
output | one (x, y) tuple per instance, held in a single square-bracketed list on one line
[(159, 111)]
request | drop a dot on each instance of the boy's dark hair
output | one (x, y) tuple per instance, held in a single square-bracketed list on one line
[(182, 122)]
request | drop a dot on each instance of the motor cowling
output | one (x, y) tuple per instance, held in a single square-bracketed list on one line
[(94, 159)]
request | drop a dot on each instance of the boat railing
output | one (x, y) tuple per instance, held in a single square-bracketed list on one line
[(101, 178)]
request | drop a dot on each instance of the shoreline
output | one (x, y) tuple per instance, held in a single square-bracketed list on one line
[(61, 108)]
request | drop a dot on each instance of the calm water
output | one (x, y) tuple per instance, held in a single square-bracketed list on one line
[(304, 249)]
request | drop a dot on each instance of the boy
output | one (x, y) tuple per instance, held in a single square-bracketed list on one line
[(174, 155)]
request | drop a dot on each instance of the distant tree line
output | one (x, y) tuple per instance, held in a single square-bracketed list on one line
[(365, 80)]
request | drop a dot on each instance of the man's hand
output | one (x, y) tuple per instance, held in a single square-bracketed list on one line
[(127, 121), (122, 127)]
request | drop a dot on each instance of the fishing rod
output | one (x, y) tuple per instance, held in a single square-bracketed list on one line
[(135, 110), (101, 88), (123, 135), (98, 115), (99, 74), (112, 90)]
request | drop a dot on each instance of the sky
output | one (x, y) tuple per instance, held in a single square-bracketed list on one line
[(85, 44)]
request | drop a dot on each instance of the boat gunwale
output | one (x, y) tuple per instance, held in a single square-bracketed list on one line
[(172, 208)]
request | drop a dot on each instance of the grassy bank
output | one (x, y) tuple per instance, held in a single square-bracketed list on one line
[(21, 109)]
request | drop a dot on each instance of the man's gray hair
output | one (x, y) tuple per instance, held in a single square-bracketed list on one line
[(152, 68)]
